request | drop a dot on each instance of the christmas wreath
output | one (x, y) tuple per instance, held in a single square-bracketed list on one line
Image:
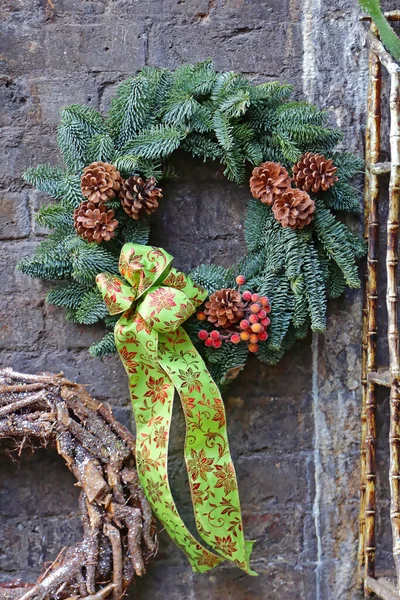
[(299, 254)]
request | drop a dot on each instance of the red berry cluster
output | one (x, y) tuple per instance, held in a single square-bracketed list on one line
[(252, 328)]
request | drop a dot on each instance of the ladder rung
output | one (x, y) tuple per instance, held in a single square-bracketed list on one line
[(382, 588), (384, 378), (380, 168)]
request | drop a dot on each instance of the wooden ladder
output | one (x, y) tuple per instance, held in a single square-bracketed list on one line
[(372, 375)]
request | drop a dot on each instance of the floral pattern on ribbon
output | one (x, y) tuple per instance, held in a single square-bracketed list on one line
[(159, 359)]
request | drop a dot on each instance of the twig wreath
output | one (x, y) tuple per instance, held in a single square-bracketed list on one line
[(298, 253), (118, 529)]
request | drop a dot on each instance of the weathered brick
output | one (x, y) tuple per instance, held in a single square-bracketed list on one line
[(233, 48), (94, 48), (28, 490), (14, 215), (14, 281), (22, 322), (25, 148)]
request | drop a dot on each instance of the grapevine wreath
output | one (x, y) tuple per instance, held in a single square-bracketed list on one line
[(48, 410), (298, 255)]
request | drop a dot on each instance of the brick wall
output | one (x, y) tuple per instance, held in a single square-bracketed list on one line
[(294, 429)]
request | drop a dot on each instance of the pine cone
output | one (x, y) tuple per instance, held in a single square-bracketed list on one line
[(224, 307), (100, 182), (294, 209), (314, 172), (269, 181), (94, 222), (139, 197)]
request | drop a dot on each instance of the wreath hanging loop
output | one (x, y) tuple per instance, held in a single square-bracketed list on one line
[(119, 535)]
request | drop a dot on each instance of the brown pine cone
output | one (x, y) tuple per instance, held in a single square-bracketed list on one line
[(100, 182), (94, 222), (268, 181), (139, 197), (224, 307), (294, 209), (314, 172)]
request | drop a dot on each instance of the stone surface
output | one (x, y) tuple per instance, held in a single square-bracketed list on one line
[(294, 428)]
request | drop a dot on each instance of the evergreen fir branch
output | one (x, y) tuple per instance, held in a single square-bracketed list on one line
[(358, 244), (90, 118), (293, 248), (178, 111), (126, 164), (249, 266), (129, 110), (90, 260), (348, 165), (78, 125), (50, 266), (290, 151), (270, 355), (223, 130), (55, 241), (111, 320), (105, 347), (203, 78), (324, 261), (201, 146), (235, 165), (201, 120), (300, 317), (253, 152), (274, 247), (336, 281), (70, 191), (257, 220), (55, 216), (306, 135), (272, 151), (91, 308), (292, 114), (299, 334), (210, 277), (333, 236), (136, 232), (342, 197), (236, 104), (271, 93), (315, 289), (45, 178), (226, 84), (155, 142), (70, 315), (154, 168), (282, 302), (243, 134), (226, 362), (100, 148), (67, 295)]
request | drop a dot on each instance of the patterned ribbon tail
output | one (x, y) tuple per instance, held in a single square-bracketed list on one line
[(160, 358)]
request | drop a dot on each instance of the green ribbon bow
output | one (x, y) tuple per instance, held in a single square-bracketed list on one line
[(159, 357)]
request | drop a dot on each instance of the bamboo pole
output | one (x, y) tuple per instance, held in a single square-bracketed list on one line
[(392, 304), (372, 263), (364, 345)]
